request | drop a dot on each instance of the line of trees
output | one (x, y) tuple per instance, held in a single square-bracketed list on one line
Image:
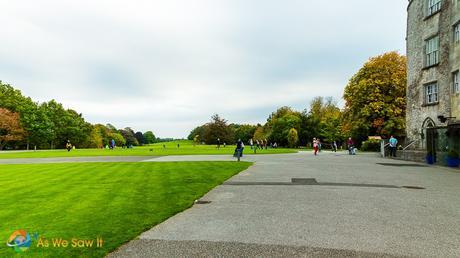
[(285, 126), (375, 103), (27, 124)]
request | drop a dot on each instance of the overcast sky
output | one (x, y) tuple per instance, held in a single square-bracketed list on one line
[(168, 65)]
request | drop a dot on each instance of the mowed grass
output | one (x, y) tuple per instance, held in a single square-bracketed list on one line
[(113, 201), (171, 148)]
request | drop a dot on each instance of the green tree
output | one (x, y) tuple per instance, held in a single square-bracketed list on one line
[(243, 132), (293, 138), (139, 137), (327, 115), (376, 98), (280, 123), (260, 133), (200, 131), (103, 132), (309, 128), (149, 137), (196, 140), (96, 139), (38, 128), (111, 128), (218, 129), (67, 125), (119, 139), (128, 134)]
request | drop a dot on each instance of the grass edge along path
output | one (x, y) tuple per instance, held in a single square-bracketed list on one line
[(112, 201)]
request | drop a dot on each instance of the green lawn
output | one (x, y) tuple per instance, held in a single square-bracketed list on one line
[(185, 148), (114, 201)]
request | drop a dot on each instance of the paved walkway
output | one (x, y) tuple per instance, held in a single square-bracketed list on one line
[(350, 206)]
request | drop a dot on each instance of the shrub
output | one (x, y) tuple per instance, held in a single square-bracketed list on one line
[(371, 145)]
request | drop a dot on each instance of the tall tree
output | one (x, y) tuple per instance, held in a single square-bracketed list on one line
[(128, 134), (309, 128), (140, 138), (117, 137), (96, 139), (218, 129), (10, 127), (200, 131), (260, 133), (328, 117), (243, 132), (67, 125), (279, 124), (36, 124), (293, 138), (149, 137), (376, 98)]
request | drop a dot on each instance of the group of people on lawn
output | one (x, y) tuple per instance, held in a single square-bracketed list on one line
[(393, 142)]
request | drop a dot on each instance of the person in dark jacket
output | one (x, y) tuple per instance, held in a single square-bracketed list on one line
[(239, 149)]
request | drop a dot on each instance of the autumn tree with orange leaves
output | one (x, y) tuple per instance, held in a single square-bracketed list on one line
[(376, 98), (10, 127)]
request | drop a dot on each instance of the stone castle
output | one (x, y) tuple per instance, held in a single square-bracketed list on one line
[(433, 91)]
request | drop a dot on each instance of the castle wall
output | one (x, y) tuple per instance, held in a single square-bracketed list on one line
[(421, 27)]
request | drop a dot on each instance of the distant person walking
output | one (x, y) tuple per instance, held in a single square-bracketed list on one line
[(315, 146), (68, 145), (393, 146), (239, 149), (334, 146), (251, 143), (218, 143), (351, 146)]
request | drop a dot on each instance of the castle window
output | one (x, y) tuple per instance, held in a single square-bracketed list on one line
[(431, 93), (457, 33), (432, 51), (433, 6), (455, 82)]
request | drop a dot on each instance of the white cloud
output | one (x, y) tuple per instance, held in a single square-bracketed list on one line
[(167, 66)]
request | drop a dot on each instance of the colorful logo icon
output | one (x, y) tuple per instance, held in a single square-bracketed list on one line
[(20, 241)]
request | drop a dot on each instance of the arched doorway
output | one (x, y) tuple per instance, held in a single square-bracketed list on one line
[(431, 136)]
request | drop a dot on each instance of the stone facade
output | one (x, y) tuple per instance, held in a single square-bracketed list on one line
[(422, 26)]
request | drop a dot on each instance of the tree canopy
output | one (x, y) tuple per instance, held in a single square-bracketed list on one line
[(10, 127), (149, 137), (375, 103), (50, 125), (218, 131), (376, 98)]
